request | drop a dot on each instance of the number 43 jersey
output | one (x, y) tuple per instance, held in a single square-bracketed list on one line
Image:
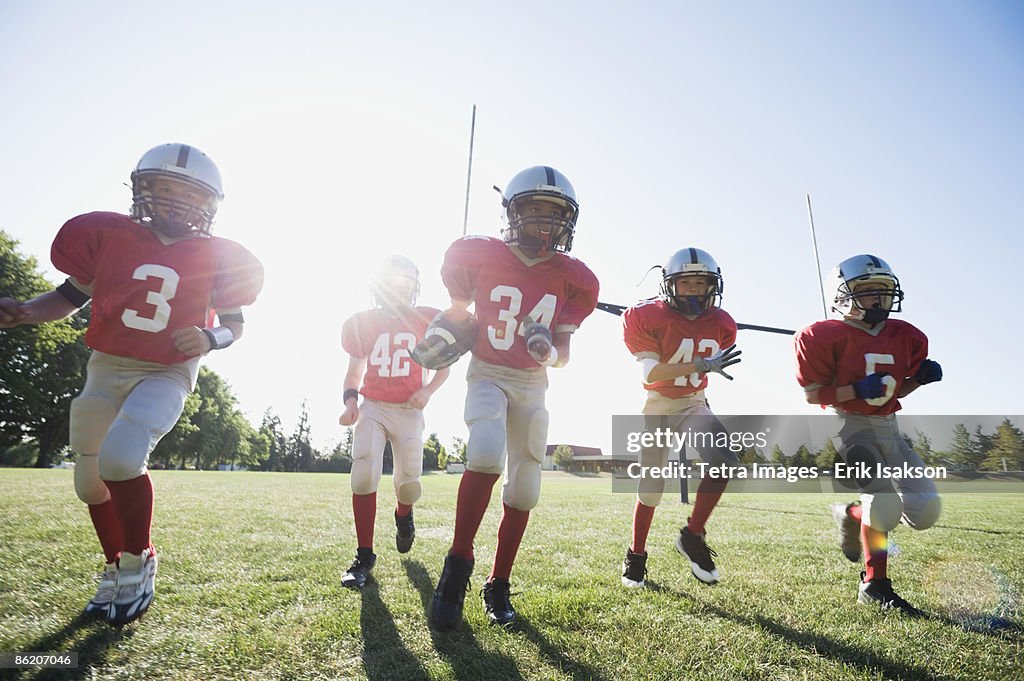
[(143, 289), (557, 291), (386, 341)]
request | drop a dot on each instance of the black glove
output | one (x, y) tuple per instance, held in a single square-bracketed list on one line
[(870, 386), (928, 372)]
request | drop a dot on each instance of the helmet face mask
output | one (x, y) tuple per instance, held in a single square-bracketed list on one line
[(687, 264), (396, 284), (176, 189), (865, 289), (541, 210)]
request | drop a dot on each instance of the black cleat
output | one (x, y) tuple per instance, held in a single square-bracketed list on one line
[(693, 548), (849, 530), (446, 609), (634, 569), (880, 592), (406, 532), (357, 574), (497, 602)]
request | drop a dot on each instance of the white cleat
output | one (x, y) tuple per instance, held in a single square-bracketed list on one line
[(136, 586), (100, 602)]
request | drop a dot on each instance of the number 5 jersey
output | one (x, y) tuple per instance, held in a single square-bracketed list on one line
[(144, 289)]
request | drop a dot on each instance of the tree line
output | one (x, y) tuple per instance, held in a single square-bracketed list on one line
[(43, 369)]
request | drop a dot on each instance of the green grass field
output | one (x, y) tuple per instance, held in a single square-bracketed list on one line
[(249, 588)]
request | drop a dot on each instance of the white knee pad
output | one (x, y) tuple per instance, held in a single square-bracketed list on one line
[(365, 476), (147, 414), (522, 488), (91, 417), (409, 492), (882, 511), (124, 451), (921, 511), (650, 491), (88, 485), (485, 451)]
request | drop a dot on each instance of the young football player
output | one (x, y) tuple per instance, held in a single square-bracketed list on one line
[(678, 338), (155, 277), (529, 297), (395, 390), (861, 365)]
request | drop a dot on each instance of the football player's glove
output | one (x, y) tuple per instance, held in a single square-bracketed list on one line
[(445, 342), (538, 340), (718, 361), (869, 387), (929, 372)]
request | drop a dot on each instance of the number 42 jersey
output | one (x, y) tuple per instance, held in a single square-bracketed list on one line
[(386, 341), (558, 291), (143, 289)]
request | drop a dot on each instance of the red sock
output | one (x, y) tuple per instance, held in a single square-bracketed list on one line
[(474, 495), (133, 503), (364, 510), (403, 510), (708, 494), (510, 534), (108, 529), (876, 552), (642, 517)]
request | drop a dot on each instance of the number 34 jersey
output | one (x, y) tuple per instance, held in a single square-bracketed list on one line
[(387, 341), (143, 289), (558, 291), (833, 352)]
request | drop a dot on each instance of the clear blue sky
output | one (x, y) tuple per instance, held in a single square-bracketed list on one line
[(342, 128)]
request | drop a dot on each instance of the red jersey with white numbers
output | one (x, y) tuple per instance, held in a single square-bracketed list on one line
[(387, 340), (143, 289), (652, 326), (834, 352), (559, 292)]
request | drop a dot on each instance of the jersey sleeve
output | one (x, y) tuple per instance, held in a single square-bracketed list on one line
[(352, 336), (462, 262), (76, 247), (637, 334), (239, 276), (918, 350), (582, 300), (728, 330), (814, 364)]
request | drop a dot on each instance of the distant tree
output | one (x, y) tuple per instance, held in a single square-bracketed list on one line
[(803, 457), (42, 366), (962, 449), (272, 430), (1007, 446), (457, 451), (300, 447), (751, 455), (179, 439), (562, 456), (778, 456), (982, 443), (827, 456), (922, 444), (433, 453)]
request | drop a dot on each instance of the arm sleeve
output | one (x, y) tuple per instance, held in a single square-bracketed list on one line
[(582, 300), (812, 360), (76, 248), (918, 351), (238, 279), (351, 338), (638, 338), (462, 261)]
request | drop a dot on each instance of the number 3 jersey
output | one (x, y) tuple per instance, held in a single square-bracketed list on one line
[(834, 352), (652, 329), (143, 289), (506, 288), (387, 340)]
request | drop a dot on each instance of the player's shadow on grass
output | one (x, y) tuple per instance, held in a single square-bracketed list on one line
[(869, 661), (92, 650), (460, 647), (557, 658), (385, 656)]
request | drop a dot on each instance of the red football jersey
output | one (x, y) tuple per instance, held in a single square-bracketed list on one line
[(653, 326), (835, 353), (387, 342), (143, 289), (559, 292)]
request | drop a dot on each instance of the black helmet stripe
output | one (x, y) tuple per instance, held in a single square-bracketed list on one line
[(183, 153), (874, 261), (549, 175), (693, 256)]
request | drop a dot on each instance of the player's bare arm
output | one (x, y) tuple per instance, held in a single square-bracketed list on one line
[(353, 379), (420, 398), (47, 307)]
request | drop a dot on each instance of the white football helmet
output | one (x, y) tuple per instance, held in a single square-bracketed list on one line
[(690, 262), (395, 284), (546, 184), (182, 164), (860, 269)]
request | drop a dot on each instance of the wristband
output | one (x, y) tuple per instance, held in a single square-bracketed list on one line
[(220, 337), (827, 394), (349, 393)]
